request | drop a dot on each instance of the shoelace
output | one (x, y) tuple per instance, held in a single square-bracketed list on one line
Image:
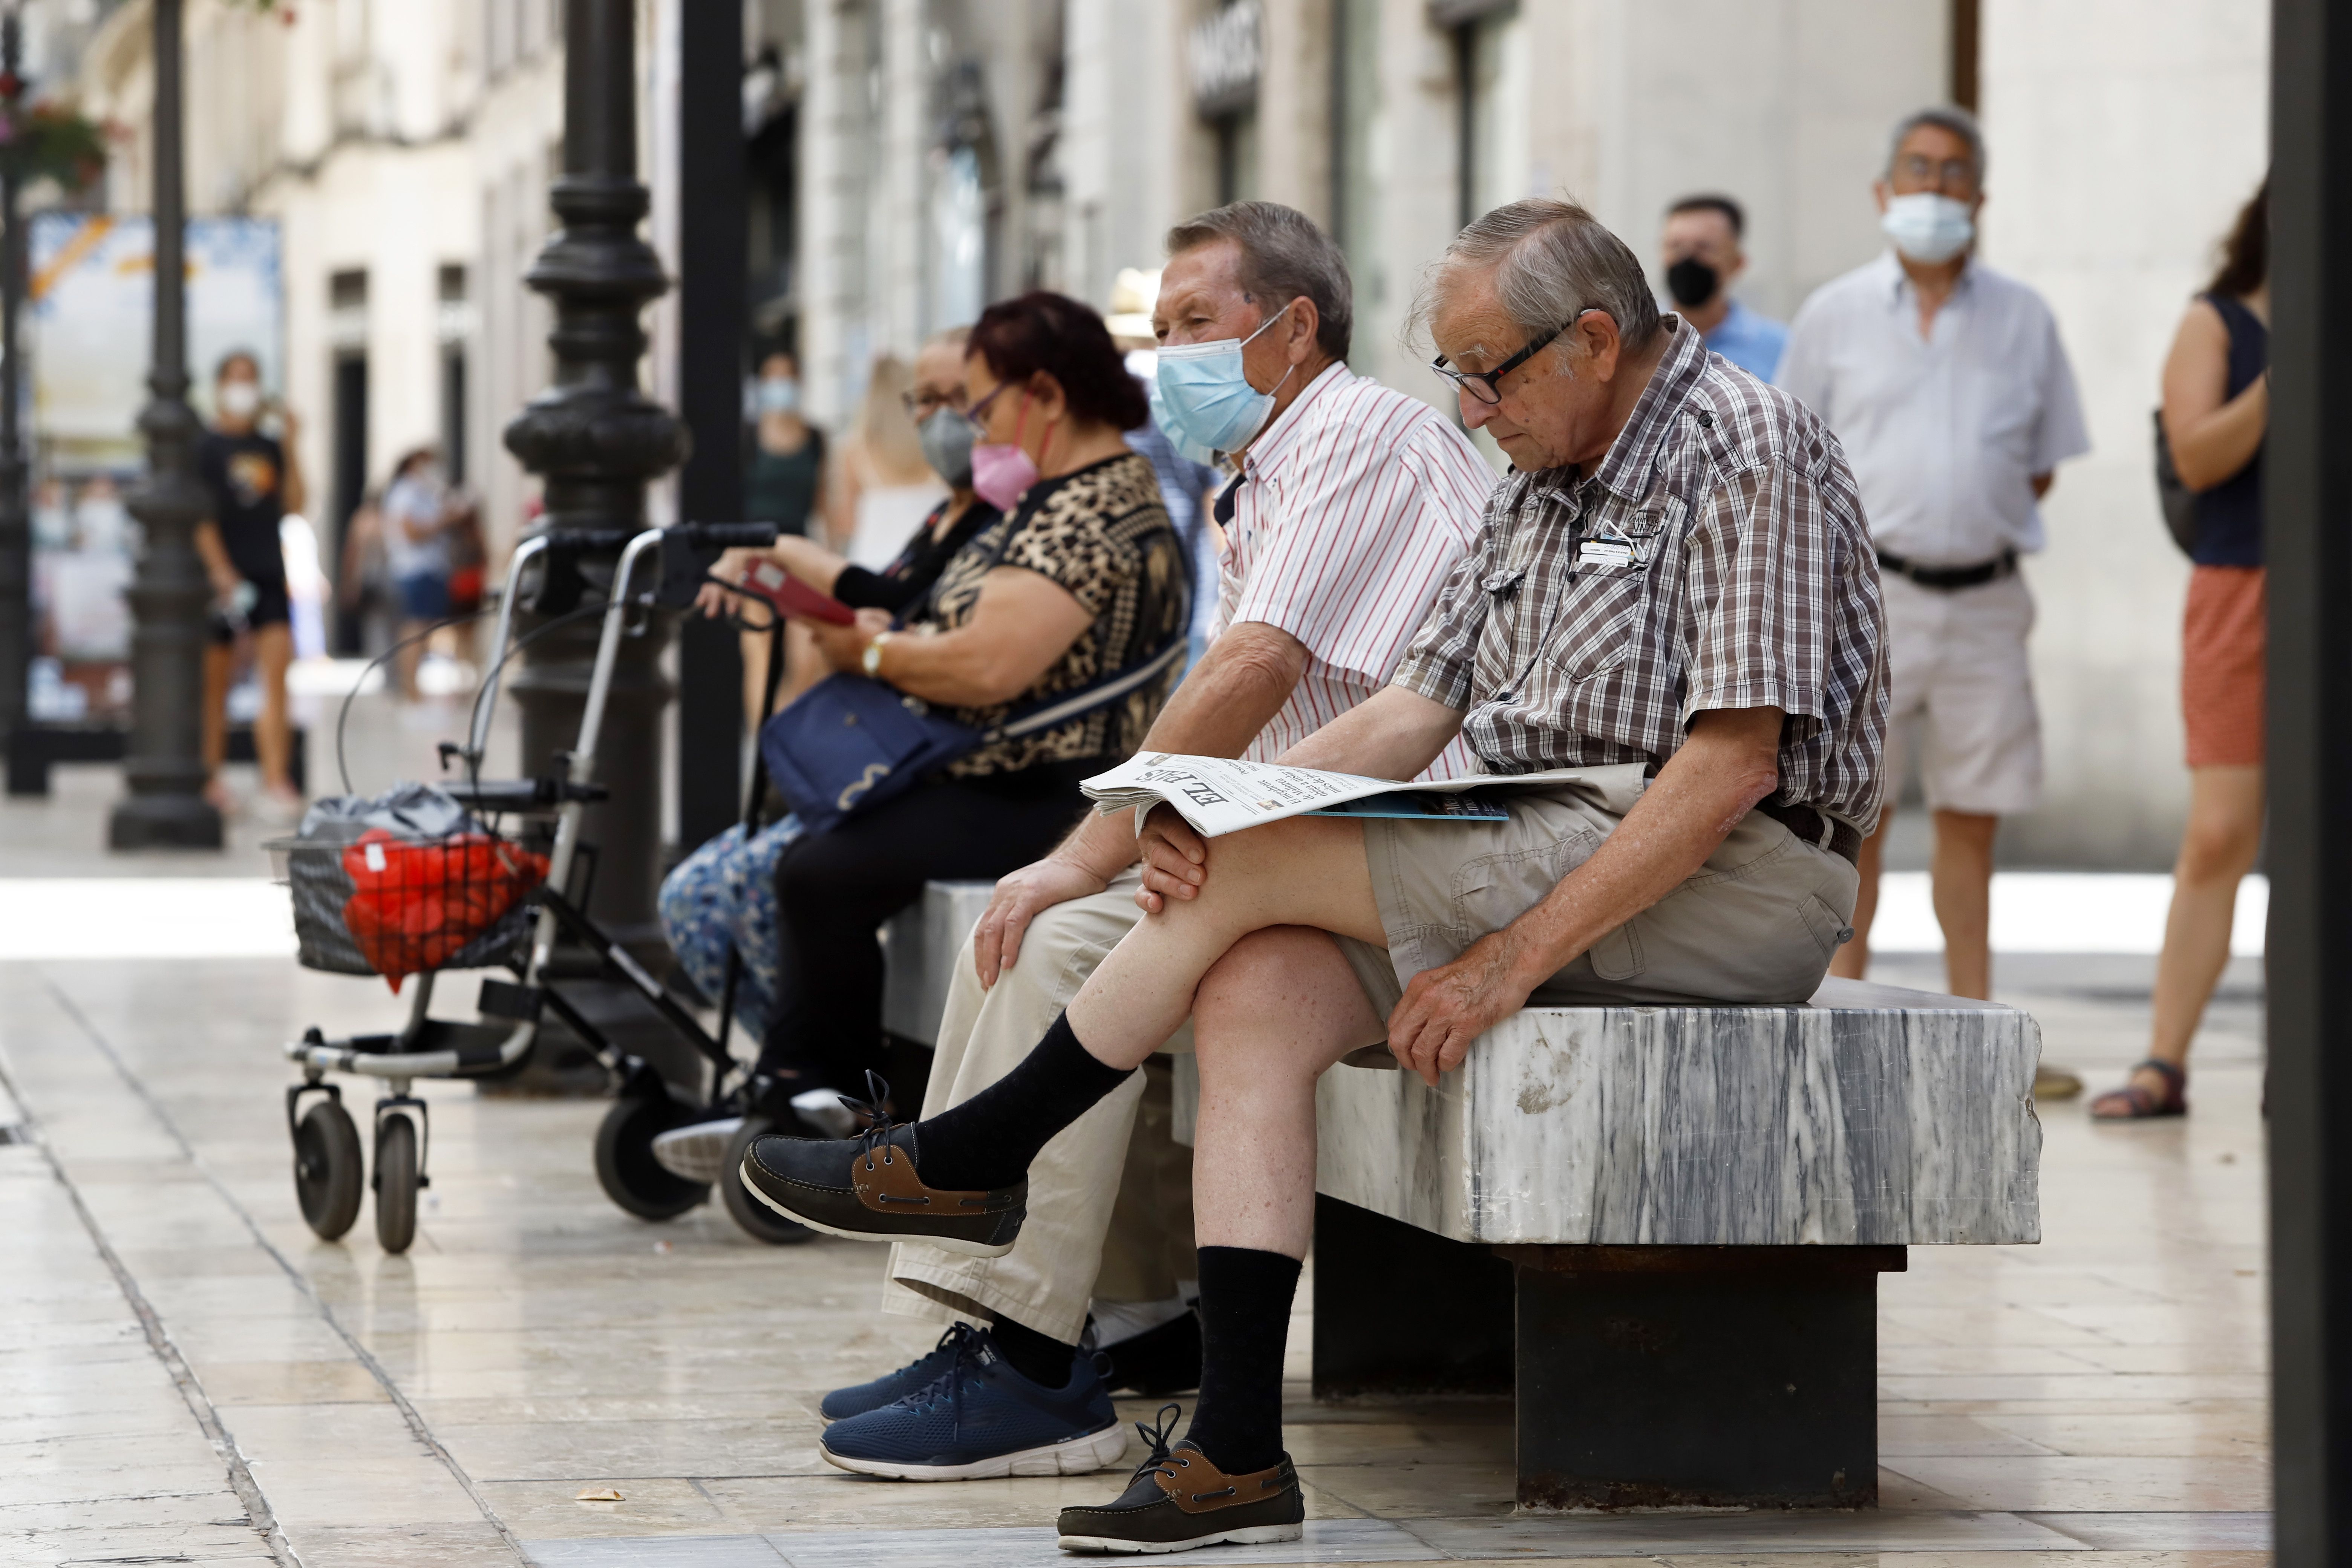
[(1156, 1438), (949, 1385), (879, 1123)]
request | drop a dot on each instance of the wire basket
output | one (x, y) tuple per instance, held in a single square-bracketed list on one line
[(383, 904)]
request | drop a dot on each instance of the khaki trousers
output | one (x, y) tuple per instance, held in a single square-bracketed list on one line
[(1110, 1198)]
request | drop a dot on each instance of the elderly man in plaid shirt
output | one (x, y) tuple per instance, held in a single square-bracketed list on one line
[(1675, 593)]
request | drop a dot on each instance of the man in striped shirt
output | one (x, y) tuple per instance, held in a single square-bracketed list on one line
[(1352, 503)]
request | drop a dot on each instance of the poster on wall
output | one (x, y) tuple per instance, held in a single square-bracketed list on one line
[(90, 330)]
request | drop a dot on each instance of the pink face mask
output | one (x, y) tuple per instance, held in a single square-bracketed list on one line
[(1000, 470)]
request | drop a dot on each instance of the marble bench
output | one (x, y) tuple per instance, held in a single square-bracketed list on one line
[(1659, 1229)]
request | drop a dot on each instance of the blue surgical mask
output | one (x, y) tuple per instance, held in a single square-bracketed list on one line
[(1204, 403), (779, 395), (1927, 227)]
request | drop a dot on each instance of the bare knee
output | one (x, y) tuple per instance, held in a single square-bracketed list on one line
[(1284, 1001), (2216, 849)]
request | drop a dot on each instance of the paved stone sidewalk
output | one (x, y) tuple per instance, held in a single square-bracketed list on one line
[(2099, 1398)]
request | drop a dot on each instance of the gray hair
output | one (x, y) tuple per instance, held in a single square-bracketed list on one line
[(1550, 260), (1283, 256), (1959, 121)]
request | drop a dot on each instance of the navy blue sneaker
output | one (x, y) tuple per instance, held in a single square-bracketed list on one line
[(892, 1386), (981, 1420)]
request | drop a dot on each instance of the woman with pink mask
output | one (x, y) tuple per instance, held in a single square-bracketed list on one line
[(1081, 577)]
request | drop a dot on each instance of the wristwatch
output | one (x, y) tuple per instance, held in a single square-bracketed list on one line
[(871, 660)]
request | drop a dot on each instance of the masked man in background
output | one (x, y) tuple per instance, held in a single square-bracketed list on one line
[(1352, 504), (1948, 388), (1701, 250)]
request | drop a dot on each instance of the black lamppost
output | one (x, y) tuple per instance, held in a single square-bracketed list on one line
[(15, 519), (596, 439), (165, 768)]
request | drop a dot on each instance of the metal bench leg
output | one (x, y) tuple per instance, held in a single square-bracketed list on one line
[(1698, 1377)]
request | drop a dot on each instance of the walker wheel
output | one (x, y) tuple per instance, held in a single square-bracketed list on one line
[(625, 1166), (327, 1168), (395, 1182), (758, 1220)]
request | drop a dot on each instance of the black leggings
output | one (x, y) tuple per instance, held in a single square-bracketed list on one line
[(833, 890)]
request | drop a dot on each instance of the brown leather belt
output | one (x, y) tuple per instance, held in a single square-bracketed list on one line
[(1816, 829)]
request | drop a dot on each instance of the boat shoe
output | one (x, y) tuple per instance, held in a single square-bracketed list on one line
[(866, 1188), (1178, 1500)]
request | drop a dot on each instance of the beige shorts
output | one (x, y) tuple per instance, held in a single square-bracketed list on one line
[(1756, 925), (1957, 676)]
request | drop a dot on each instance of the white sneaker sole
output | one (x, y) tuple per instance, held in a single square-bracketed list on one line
[(944, 1243), (1077, 1457), (1254, 1535), (697, 1153)]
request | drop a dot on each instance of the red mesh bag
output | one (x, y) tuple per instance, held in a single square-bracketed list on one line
[(417, 904)]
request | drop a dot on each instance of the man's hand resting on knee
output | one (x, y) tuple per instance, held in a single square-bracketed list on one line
[(1729, 762), (1240, 684)]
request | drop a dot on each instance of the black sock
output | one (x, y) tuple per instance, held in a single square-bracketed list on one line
[(1244, 1321), (1044, 1361), (988, 1141)]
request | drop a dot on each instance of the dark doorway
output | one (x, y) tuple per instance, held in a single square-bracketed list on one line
[(351, 457)]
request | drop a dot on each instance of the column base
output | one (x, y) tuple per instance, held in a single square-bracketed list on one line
[(163, 822)]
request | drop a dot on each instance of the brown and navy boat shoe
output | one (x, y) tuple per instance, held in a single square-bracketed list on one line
[(1178, 1500), (866, 1188)]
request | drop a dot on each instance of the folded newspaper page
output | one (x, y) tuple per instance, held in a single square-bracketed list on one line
[(1223, 794)]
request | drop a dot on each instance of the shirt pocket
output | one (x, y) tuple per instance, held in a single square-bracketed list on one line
[(1602, 617)]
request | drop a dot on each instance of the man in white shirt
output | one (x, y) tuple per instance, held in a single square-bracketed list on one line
[(1351, 505), (1947, 386)]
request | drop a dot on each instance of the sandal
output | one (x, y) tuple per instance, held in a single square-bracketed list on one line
[(2136, 1102)]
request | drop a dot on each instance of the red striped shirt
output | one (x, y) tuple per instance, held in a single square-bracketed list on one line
[(1356, 506)]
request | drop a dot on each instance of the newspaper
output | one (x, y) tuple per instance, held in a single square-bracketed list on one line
[(1223, 794)]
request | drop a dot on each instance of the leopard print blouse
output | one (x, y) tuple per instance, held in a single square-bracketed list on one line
[(1102, 533)]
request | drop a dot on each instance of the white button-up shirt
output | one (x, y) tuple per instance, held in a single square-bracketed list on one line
[(1945, 433), (1351, 513)]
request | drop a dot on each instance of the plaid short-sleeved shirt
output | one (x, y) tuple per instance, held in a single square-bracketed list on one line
[(1717, 557)]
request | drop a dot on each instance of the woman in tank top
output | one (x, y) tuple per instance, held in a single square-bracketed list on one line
[(884, 489), (2216, 413)]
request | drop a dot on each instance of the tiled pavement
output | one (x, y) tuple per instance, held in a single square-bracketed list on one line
[(187, 1375)]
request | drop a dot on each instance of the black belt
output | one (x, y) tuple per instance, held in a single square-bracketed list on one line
[(1816, 829), (1946, 578)]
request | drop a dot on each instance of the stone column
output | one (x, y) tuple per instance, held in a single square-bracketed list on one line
[(165, 768)]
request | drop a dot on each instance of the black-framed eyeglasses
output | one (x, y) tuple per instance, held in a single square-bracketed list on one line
[(1485, 384), (921, 405)]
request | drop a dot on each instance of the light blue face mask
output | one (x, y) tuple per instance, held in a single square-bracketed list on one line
[(1204, 403)]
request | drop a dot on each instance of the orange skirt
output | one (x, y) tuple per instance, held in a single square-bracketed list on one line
[(2221, 644)]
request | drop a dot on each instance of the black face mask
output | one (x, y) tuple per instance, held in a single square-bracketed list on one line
[(1692, 282)]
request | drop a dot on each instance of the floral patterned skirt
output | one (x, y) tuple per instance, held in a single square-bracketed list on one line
[(723, 896)]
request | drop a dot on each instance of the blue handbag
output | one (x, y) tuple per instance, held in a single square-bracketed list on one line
[(849, 743)]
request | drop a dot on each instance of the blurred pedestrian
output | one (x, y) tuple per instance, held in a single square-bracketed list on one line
[(363, 585), (882, 488), (786, 472), (416, 520), (252, 481), (1702, 255), (1946, 385), (2217, 405)]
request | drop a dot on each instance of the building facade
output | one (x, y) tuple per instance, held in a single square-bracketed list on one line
[(908, 161)]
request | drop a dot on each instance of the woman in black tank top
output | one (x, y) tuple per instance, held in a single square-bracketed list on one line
[(2216, 414)]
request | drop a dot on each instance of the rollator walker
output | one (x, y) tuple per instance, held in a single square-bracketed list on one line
[(475, 868)]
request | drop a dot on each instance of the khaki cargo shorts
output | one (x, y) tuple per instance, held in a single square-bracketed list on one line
[(1755, 925)]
